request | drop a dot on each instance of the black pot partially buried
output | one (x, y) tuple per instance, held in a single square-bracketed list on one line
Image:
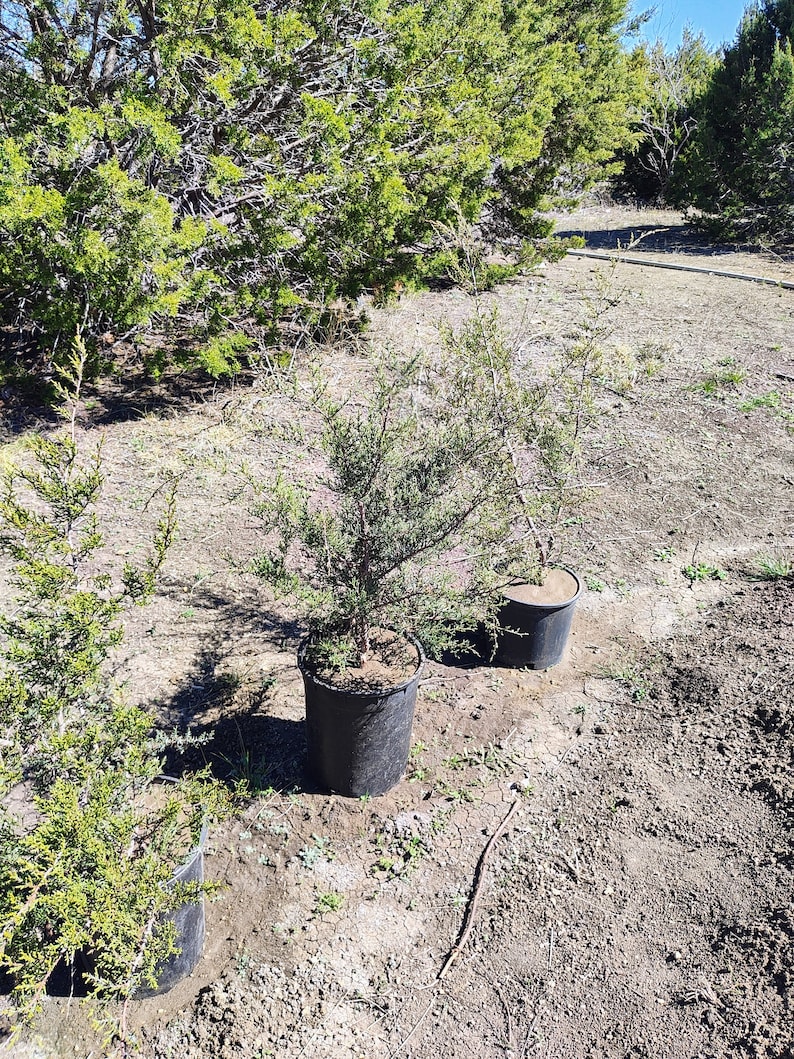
[(358, 742), (189, 923), (534, 635)]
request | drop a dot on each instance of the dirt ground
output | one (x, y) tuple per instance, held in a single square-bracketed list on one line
[(639, 903)]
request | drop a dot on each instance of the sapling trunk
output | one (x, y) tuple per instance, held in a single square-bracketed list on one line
[(542, 547), (362, 625), (362, 644)]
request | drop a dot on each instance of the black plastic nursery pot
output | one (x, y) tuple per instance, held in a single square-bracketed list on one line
[(189, 922), (358, 742), (534, 635)]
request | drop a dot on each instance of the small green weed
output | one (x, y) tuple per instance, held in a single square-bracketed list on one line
[(242, 962), (399, 852), (456, 795), (331, 901), (595, 584), (480, 765), (311, 855), (417, 771), (727, 376), (493, 758), (623, 367), (763, 400), (631, 675), (703, 572), (651, 357), (440, 819)]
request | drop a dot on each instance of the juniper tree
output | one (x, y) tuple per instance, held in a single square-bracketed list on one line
[(740, 168), (249, 160), (674, 80), (87, 848)]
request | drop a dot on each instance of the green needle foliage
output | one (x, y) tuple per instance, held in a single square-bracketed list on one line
[(452, 479), (89, 840), (66, 621), (738, 170), (535, 417), (532, 420), (247, 161), (363, 546)]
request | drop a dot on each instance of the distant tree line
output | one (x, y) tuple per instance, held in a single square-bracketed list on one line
[(718, 129), (220, 170)]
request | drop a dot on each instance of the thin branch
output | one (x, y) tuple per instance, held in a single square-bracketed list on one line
[(479, 877), (468, 922)]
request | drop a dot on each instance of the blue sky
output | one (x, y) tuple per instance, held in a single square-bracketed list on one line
[(717, 18)]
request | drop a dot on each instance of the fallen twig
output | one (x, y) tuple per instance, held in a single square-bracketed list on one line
[(468, 922), (474, 899), (417, 1024)]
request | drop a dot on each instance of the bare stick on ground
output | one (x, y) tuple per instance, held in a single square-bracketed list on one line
[(474, 899)]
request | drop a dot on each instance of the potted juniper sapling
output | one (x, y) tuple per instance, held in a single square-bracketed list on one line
[(538, 417), (362, 546), (92, 860)]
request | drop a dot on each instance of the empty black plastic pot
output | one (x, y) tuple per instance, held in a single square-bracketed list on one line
[(534, 635), (358, 741), (189, 922)]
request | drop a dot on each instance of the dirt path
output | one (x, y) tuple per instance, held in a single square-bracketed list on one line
[(639, 904)]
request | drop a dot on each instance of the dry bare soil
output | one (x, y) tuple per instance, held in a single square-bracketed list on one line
[(639, 903)]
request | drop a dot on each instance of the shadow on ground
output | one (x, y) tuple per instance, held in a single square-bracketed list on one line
[(675, 238), (124, 392), (125, 398), (227, 724)]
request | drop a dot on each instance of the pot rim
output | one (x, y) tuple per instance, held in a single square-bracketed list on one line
[(191, 857), (549, 606), (370, 692), (201, 842)]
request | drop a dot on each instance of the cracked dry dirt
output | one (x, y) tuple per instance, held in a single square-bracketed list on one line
[(639, 905)]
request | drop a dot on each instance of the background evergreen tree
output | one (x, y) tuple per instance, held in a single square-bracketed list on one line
[(673, 82), (740, 169)]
